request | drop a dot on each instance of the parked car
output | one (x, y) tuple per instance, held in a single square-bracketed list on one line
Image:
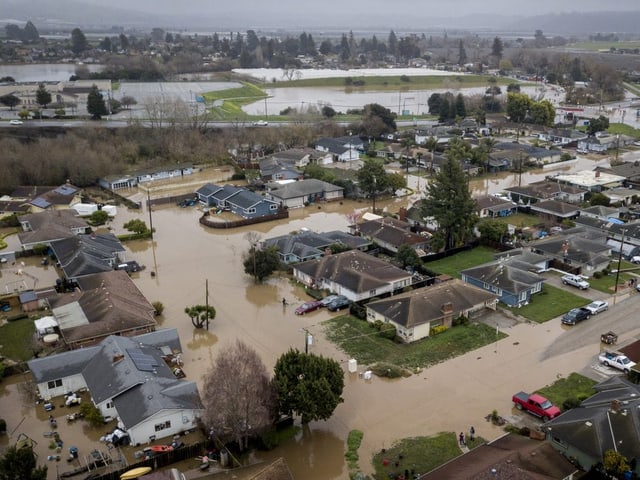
[(536, 405), (15, 122), (260, 123), (308, 307), (339, 303), (328, 299), (576, 315), (616, 360), (597, 306), (576, 281)]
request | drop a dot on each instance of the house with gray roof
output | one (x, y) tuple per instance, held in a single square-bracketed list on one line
[(308, 245), (521, 152), (341, 149), (608, 420), (390, 234), (576, 248), (272, 169), (491, 206), (545, 190), (555, 211), (108, 303), (303, 192), (513, 280), (562, 136), (61, 197), (46, 227), (130, 379), (152, 174), (356, 275), (87, 254), (415, 313), (238, 200)]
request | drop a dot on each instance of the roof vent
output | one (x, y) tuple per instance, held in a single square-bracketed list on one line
[(588, 424)]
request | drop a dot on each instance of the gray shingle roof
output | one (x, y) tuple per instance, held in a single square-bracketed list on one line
[(304, 188), (87, 254)]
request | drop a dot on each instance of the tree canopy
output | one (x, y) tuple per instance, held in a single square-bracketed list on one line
[(10, 100), (308, 385), (78, 41), (239, 399), (201, 315), (448, 200), (261, 262), (20, 463)]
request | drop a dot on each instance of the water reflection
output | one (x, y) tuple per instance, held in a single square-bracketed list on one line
[(261, 294), (202, 338), (314, 453)]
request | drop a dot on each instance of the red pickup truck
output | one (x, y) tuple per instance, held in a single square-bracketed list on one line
[(536, 405)]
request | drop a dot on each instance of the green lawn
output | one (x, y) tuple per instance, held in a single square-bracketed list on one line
[(15, 339), (362, 342), (623, 129), (460, 261), (550, 303), (595, 46), (419, 454), (575, 386), (419, 82)]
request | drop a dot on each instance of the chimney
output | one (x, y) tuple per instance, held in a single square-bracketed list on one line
[(327, 252), (447, 314), (597, 173), (402, 214)]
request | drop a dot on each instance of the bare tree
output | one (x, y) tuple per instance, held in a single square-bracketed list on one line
[(238, 396)]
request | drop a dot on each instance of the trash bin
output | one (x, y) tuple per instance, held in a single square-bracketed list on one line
[(224, 457)]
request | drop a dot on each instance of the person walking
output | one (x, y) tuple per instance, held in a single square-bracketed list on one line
[(472, 433), (461, 439)]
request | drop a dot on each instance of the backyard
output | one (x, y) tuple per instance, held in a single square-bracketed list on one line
[(550, 303)]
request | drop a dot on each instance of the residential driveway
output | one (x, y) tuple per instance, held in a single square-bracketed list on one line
[(554, 279)]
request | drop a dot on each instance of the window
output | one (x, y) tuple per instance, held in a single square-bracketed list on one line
[(54, 384), (109, 405), (273, 207), (251, 210), (162, 426), (372, 292)]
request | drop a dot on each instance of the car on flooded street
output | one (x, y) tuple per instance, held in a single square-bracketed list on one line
[(339, 303), (307, 307), (328, 299)]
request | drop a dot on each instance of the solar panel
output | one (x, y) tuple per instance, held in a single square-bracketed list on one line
[(143, 361), (65, 190), (40, 202)]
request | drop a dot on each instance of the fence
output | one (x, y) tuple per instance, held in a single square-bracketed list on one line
[(204, 220)]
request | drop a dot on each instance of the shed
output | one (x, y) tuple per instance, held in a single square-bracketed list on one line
[(45, 325), (29, 301)]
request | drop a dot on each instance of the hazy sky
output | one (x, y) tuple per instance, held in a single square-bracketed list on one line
[(340, 8)]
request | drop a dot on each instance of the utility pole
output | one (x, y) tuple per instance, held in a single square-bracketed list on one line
[(206, 300), (307, 340)]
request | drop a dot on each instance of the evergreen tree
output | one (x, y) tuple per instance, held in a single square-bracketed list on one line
[(461, 109), (497, 49), (462, 54), (30, 33), (95, 104), (448, 201), (78, 41), (43, 97)]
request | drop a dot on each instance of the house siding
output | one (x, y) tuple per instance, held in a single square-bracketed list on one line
[(180, 421), (72, 383)]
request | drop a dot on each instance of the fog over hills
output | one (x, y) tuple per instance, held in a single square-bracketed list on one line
[(567, 17)]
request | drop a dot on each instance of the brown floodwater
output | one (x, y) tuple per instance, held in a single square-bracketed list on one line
[(189, 259)]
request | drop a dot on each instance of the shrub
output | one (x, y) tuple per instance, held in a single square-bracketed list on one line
[(238, 176), (460, 320), (92, 414), (597, 274), (358, 311), (40, 249), (388, 331), (570, 403), (437, 329), (158, 307), (3, 426)]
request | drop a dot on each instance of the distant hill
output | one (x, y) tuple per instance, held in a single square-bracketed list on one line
[(578, 23)]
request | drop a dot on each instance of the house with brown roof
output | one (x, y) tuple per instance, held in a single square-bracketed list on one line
[(509, 457), (356, 275), (415, 313), (62, 197), (390, 234), (107, 303), (46, 227)]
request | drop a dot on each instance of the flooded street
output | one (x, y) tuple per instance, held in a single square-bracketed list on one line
[(185, 256)]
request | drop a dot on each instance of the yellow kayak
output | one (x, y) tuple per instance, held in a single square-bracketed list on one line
[(135, 473)]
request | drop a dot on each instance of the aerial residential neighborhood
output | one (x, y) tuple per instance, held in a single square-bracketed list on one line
[(296, 251)]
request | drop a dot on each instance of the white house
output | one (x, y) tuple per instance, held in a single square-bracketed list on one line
[(132, 379)]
